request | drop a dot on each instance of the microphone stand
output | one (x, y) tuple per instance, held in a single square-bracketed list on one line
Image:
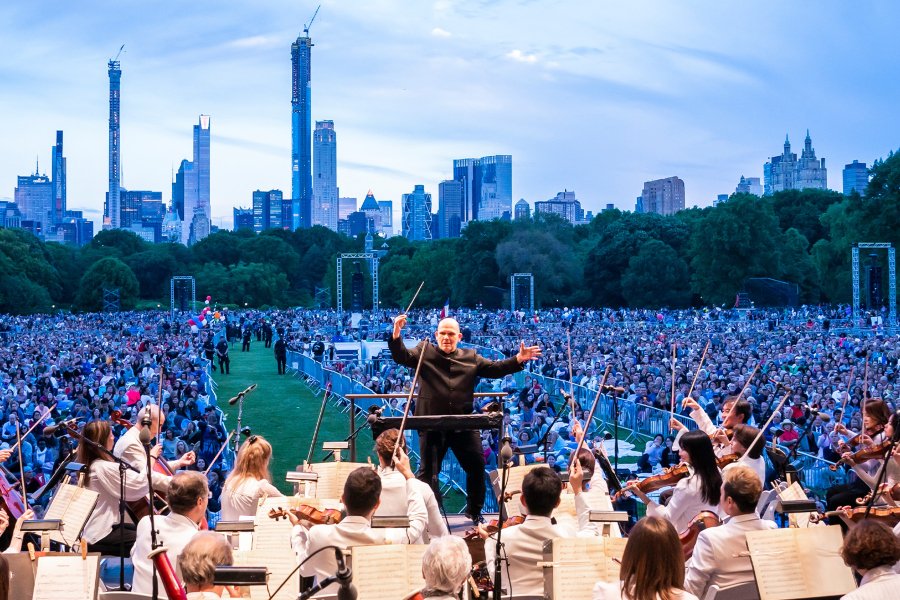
[(154, 541), (123, 467), (544, 437), (343, 576), (505, 455)]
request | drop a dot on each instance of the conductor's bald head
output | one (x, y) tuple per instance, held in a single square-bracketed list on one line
[(448, 335)]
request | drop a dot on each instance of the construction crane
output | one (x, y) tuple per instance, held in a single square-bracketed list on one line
[(119, 53), (308, 25)]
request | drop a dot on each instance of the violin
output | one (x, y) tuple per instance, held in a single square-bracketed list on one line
[(877, 451), (724, 461), (688, 538), (115, 416), (889, 514), (667, 478), (855, 440), (493, 526), (305, 512)]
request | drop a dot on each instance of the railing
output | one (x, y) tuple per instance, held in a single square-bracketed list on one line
[(633, 420)]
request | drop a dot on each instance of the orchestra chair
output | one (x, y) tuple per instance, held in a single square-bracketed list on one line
[(126, 596), (742, 591)]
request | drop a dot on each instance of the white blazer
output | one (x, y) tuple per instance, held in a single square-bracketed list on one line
[(686, 503), (720, 555)]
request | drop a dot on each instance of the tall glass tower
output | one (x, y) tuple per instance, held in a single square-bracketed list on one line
[(325, 191), (301, 134), (59, 179), (113, 203)]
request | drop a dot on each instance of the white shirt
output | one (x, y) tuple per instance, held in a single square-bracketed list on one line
[(523, 547), (130, 449), (394, 501), (880, 583), (720, 555), (613, 591), (174, 531), (686, 503), (757, 464), (104, 479), (353, 531), (243, 500)]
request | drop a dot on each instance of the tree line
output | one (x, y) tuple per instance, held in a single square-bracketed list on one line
[(697, 257)]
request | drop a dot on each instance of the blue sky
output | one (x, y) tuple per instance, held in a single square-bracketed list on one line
[(595, 97)]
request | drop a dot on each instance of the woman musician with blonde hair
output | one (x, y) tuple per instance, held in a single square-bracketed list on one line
[(249, 481)]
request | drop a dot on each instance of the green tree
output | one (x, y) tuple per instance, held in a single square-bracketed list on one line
[(118, 242), (548, 259), (107, 272), (656, 276), (222, 247)]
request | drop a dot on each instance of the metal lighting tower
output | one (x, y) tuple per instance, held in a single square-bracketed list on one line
[(370, 256), (113, 202), (892, 280)]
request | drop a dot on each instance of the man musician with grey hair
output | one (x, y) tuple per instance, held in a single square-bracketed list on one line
[(198, 561), (445, 566)]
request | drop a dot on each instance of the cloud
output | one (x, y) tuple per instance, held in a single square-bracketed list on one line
[(519, 56), (256, 41), (441, 33)]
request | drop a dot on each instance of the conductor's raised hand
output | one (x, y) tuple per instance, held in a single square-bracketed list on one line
[(399, 323), (525, 354)]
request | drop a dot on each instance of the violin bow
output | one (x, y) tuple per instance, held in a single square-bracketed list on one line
[(865, 394), (218, 454), (697, 372), (412, 390), (411, 302), (590, 416), (847, 397), (30, 429), (21, 466), (772, 416)]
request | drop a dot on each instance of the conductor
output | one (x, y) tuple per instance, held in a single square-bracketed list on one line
[(447, 380)]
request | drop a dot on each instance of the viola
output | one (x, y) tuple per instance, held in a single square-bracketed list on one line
[(10, 499), (876, 451), (493, 526), (305, 512), (688, 538), (667, 478), (115, 416)]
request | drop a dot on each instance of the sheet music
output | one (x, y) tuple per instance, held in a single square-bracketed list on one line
[(795, 492), (73, 506), (513, 484), (332, 477), (280, 562), (799, 563), (70, 577), (387, 572), (578, 563)]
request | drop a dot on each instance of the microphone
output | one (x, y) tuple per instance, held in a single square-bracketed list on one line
[(344, 577), (506, 452), (145, 435), (241, 395), (374, 414)]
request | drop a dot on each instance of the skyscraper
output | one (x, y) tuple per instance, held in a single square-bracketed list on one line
[(111, 218), (749, 185), (301, 133), (856, 177), (190, 192), (267, 210), (662, 196), (325, 191), (58, 173), (523, 211), (417, 215), (243, 218), (346, 206), (451, 208), (565, 204), (387, 217), (787, 172), (34, 197), (487, 186)]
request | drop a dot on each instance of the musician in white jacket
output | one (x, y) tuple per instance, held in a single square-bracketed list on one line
[(871, 549), (720, 555), (362, 492)]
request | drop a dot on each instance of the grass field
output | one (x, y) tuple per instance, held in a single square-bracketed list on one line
[(282, 410)]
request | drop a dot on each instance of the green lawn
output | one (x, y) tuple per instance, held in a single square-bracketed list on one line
[(282, 410)]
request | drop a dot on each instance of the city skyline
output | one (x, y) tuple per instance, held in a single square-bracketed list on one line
[(604, 99)]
